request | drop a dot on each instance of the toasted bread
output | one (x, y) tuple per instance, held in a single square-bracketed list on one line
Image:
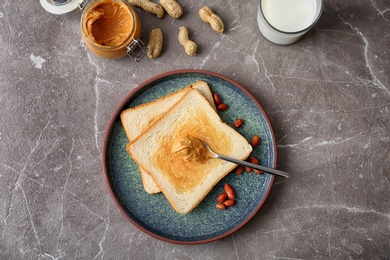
[(185, 183), (136, 120)]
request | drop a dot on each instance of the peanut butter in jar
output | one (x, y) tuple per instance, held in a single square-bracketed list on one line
[(111, 29)]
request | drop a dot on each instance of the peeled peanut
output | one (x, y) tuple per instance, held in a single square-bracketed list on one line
[(238, 122), (220, 206), (229, 191), (229, 203), (254, 160), (222, 197), (217, 98), (258, 171), (255, 141), (222, 107), (239, 170)]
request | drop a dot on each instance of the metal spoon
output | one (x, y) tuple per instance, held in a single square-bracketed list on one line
[(244, 163)]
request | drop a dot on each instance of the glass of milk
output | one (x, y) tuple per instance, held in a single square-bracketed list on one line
[(285, 21)]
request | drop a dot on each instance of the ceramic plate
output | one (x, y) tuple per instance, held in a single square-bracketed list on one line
[(153, 213)]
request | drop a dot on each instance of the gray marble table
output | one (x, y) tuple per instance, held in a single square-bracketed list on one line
[(327, 97)]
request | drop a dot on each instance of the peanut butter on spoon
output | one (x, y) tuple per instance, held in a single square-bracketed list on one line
[(190, 148)]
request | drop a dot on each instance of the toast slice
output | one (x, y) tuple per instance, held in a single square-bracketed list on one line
[(185, 183), (136, 120)]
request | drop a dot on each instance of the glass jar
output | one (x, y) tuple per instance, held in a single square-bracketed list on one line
[(110, 28)]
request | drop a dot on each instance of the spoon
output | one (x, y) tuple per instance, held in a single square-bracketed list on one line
[(244, 163)]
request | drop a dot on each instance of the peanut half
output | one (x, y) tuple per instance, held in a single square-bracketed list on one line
[(190, 47), (222, 197), (149, 7), (217, 98), (238, 122), (155, 43), (229, 191), (255, 141), (229, 203), (172, 7), (222, 107), (220, 206), (255, 161), (208, 16), (239, 170)]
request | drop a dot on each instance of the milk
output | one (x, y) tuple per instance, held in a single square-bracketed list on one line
[(286, 21), (289, 15)]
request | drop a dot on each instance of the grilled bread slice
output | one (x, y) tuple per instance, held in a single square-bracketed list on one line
[(184, 179), (136, 120)]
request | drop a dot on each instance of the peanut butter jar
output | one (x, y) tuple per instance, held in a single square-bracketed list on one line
[(111, 29)]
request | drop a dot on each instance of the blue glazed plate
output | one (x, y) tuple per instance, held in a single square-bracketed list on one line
[(153, 213)]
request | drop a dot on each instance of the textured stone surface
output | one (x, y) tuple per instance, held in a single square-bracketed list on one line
[(327, 97)]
